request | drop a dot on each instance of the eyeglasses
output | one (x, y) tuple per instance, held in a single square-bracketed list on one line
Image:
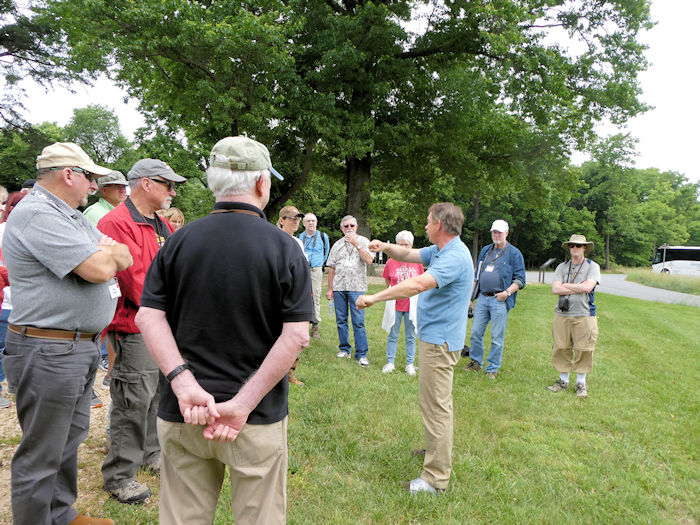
[(170, 185), (576, 245), (349, 226), (88, 175)]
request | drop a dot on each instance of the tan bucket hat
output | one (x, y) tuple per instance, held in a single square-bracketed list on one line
[(578, 239)]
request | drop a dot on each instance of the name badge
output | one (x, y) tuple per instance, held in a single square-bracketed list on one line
[(489, 268), (114, 291)]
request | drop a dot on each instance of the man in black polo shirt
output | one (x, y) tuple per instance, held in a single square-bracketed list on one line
[(225, 312)]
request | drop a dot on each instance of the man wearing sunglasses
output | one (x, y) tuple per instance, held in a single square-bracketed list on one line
[(64, 294), (575, 326), (347, 280), (134, 374)]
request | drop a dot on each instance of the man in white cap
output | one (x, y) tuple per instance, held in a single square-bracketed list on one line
[(575, 326), (500, 274), (225, 312), (112, 193), (134, 374), (64, 293)]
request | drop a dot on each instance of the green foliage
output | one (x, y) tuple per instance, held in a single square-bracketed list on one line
[(96, 129), (19, 148), (676, 283)]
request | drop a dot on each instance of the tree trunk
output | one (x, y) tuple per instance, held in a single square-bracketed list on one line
[(475, 239), (607, 251), (357, 188)]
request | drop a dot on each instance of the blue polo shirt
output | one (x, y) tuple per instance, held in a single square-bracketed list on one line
[(442, 311)]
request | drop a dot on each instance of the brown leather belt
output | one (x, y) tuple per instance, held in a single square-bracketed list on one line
[(48, 333)]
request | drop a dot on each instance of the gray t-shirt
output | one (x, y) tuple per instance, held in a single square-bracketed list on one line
[(45, 239), (580, 304)]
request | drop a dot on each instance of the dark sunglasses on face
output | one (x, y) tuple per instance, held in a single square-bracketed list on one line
[(89, 176), (349, 225), (576, 245), (170, 185)]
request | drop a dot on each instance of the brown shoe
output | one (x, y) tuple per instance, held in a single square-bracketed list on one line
[(315, 334), (82, 519), (292, 379), (473, 366)]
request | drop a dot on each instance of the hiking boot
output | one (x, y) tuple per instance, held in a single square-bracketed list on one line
[(134, 493), (473, 366), (292, 379), (82, 519), (558, 386), (96, 401), (153, 466), (315, 334), (581, 390), (388, 368), (491, 375), (411, 370)]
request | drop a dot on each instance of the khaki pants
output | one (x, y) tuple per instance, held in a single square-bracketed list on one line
[(316, 280), (436, 366), (192, 471), (573, 344)]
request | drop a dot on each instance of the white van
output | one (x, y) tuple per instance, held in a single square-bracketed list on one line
[(677, 260)]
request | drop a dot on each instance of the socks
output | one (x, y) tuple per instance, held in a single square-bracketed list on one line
[(581, 379), (564, 376)]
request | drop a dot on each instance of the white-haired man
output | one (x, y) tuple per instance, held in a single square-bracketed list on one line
[(317, 248), (225, 312), (347, 280), (502, 274), (64, 294)]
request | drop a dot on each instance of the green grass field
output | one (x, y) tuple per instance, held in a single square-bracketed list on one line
[(627, 454), (676, 283)]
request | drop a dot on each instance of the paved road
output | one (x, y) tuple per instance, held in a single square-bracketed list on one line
[(615, 283)]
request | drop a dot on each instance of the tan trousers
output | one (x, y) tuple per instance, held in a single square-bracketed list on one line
[(192, 471), (436, 365), (573, 344), (316, 281)]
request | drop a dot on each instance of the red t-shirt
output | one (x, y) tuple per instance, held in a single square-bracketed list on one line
[(397, 272)]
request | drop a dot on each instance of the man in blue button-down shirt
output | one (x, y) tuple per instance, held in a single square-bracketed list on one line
[(502, 275), (317, 247), (442, 325)]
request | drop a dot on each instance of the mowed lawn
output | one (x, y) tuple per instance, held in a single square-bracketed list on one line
[(627, 454)]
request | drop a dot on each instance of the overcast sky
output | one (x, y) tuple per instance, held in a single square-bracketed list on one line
[(668, 134)]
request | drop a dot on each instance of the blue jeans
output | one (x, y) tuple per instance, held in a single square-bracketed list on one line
[(4, 316), (342, 299), (410, 333), (489, 309)]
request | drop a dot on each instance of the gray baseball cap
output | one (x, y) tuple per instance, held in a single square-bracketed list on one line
[(146, 168), (242, 153), (115, 177)]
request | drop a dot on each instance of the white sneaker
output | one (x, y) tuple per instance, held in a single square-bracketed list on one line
[(343, 354), (388, 368), (410, 370), (420, 485), (363, 361)]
